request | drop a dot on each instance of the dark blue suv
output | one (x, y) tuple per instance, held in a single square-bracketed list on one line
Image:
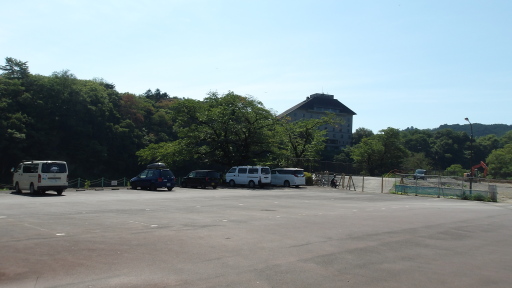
[(155, 176)]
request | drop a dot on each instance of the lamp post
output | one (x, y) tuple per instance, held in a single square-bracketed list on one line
[(470, 157)]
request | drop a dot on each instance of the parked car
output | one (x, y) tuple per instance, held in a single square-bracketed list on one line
[(40, 176), (201, 178), (157, 175), (288, 177), (248, 175), (420, 174)]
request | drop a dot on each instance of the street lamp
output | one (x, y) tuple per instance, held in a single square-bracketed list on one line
[(470, 157)]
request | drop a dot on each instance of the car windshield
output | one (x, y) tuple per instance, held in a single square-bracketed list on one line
[(265, 171), (420, 171)]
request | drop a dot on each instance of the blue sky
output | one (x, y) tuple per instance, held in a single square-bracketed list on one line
[(395, 63)]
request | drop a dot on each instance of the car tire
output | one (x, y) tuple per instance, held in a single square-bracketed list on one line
[(286, 183), (152, 187), (134, 187), (214, 186), (203, 186), (232, 183), (17, 188), (251, 184), (59, 192), (169, 188)]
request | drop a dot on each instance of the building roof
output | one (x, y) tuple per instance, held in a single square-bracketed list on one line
[(319, 100)]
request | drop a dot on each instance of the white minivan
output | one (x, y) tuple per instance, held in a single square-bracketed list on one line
[(41, 176), (248, 175), (288, 177)]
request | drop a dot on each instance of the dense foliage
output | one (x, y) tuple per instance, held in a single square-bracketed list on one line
[(101, 132), (442, 150)]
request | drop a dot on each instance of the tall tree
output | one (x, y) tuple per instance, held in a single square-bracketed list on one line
[(500, 163), (367, 155), (394, 151), (15, 69), (226, 130), (302, 139), (360, 134)]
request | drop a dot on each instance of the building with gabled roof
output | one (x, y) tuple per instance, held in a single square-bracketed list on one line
[(315, 107)]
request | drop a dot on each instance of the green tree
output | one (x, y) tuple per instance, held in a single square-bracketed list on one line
[(302, 140), (506, 139), (416, 161), (226, 130), (15, 69), (394, 151), (360, 134), (500, 163), (483, 146), (417, 141), (455, 170), (367, 155), (449, 147)]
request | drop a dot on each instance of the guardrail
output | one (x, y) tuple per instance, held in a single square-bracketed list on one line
[(98, 183)]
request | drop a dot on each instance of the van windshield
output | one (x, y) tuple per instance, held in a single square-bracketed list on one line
[(54, 168), (265, 171)]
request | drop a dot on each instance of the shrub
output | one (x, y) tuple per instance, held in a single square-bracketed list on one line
[(478, 197), (309, 179)]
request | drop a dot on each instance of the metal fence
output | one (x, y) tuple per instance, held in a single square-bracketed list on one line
[(102, 182), (446, 187)]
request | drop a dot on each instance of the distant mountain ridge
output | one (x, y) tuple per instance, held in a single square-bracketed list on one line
[(479, 130)]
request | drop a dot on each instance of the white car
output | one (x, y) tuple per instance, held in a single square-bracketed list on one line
[(288, 177), (248, 175), (40, 176)]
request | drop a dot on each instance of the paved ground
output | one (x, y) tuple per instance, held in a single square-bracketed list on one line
[(285, 237)]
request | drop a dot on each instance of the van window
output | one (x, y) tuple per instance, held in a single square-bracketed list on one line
[(253, 170), (265, 171), (53, 168), (242, 170), (167, 173), (273, 172), (232, 170), (213, 174), (144, 174), (30, 168)]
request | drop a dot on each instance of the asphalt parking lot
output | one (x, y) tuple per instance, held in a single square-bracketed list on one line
[(239, 237)]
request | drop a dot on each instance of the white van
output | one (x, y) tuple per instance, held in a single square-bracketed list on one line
[(41, 176), (248, 175), (288, 177)]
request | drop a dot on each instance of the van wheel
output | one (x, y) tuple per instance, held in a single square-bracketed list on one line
[(214, 186), (232, 183), (286, 183), (169, 188), (17, 188), (251, 184), (59, 192)]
